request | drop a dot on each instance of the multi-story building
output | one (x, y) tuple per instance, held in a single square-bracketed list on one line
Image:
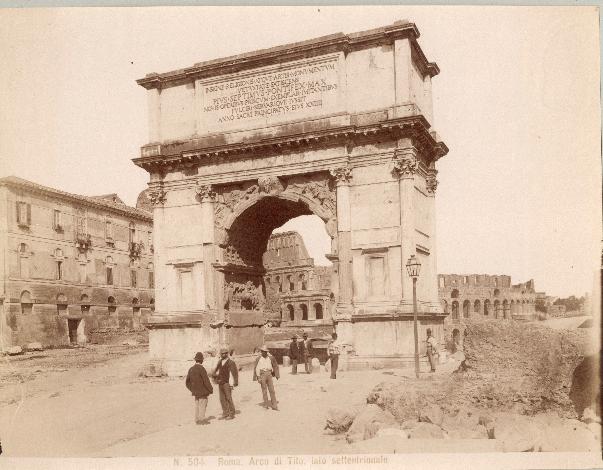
[(297, 291), (70, 265), (464, 296)]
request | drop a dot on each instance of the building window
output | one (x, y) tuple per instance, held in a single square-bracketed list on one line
[(81, 224), (291, 283), (61, 304), (291, 312), (58, 254), (152, 302), (133, 277), (111, 307), (135, 306), (318, 311), (26, 303), (109, 275), (132, 233), (151, 280), (302, 280), (57, 223), (108, 231), (304, 309), (23, 214)]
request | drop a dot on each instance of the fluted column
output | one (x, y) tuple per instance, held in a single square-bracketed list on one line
[(207, 197), (405, 169), (431, 184), (343, 313), (158, 197)]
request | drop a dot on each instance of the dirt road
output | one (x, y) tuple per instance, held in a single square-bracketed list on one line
[(105, 410)]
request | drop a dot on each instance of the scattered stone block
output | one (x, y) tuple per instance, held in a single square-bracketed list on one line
[(286, 361), (568, 435), (431, 414), (368, 422), (328, 365), (589, 416), (153, 369), (34, 347), (339, 420), (14, 350), (401, 433), (517, 433), (315, 365), (426, 431)]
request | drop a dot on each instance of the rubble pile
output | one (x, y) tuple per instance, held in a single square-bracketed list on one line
[(466, 429), (525, 366)]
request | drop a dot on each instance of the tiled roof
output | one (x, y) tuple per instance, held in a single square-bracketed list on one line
[(94, 201)]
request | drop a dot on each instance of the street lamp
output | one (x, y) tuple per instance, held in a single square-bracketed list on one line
[(413, 266)]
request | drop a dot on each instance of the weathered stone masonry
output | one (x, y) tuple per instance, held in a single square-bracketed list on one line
[(72, 265), (338, 126)]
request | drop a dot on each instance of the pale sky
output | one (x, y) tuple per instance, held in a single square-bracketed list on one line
[(517, 103)]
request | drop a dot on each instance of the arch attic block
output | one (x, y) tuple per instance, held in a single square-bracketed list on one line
[(339, 126)]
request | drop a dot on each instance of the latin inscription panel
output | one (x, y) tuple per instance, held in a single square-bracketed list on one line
[(270, 95)]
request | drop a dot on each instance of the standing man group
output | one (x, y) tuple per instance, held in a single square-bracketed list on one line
[(226, 375)]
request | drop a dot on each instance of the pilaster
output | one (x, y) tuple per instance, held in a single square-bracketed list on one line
[(154, 105)]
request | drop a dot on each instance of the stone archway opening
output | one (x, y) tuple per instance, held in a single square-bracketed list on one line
[(269, 268)]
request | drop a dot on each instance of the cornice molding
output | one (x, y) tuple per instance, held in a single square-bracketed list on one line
[(338, 42), (163, 158)]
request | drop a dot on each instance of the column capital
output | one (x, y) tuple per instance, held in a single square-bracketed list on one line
[(431, 182), (205, 193), (341, 175), (158, 197), (405, 162)]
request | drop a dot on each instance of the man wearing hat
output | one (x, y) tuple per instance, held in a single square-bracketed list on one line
[(307, 353), (296, 353), (198, 383), (264, 369), (225, 372), (432, 350)]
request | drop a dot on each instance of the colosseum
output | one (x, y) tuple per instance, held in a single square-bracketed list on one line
[(466, 296)]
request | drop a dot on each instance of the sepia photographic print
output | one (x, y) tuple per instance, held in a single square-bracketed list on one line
[(300, 237)]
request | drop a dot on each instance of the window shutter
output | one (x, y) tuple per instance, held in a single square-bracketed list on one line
[(18, 206), (28, 214)]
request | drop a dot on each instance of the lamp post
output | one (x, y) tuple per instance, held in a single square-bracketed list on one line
[(413, 266)]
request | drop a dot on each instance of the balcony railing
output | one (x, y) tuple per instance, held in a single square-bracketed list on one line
[(135, 249), (83, 241)]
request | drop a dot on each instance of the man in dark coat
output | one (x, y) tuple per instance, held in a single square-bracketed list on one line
[(198, 383), (296, 353), (226, 372), (264, 368)]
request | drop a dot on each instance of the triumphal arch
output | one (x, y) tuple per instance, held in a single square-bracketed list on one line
[(339, 126)]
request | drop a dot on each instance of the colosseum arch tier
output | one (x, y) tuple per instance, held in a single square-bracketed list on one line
[(340, 127)]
